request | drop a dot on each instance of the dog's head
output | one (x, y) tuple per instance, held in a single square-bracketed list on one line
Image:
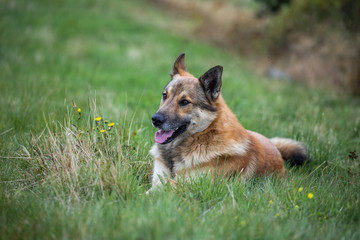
[(188, 103)]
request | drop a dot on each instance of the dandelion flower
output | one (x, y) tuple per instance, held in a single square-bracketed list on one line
[(278, 214), (271, 202), (300, 189), (102, 130), (98, 119), (310, 195), (79, 110), (296, 206), (111, 124), (243, 222)]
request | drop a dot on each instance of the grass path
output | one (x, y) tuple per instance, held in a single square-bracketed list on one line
[(61, 178)]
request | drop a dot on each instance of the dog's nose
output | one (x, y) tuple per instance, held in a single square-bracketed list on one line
[(158, 119)]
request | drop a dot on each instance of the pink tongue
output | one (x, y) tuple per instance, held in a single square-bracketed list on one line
[(161, 135)]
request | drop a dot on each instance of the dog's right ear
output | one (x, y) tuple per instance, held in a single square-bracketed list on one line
[(179, 66)]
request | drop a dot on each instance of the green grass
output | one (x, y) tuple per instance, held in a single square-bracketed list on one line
[(58, 180)]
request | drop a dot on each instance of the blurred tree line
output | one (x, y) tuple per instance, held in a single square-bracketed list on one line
[(348, 11), (305, 14)]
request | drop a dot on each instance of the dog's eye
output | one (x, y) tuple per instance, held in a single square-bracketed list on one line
[(184, 102), (164, 95)]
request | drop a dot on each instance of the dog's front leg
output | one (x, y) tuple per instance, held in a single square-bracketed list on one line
[(160, 173)]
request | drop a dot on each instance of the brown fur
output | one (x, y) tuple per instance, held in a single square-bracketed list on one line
[(261, 152), (214, 140)]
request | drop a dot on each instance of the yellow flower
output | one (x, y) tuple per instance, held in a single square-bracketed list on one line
[(278, 214), (296, 206), (243, 222), (102, 130), (271, 202), (111, 124), (300, 189), (98, 119), (79, 110), (310, 195)]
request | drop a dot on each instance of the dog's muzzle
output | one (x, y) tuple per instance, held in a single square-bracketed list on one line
[(167, 132)]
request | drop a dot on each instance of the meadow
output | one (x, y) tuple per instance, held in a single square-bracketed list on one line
[(66, 174)]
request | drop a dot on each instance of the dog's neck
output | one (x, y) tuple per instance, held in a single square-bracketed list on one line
[(224, 126)]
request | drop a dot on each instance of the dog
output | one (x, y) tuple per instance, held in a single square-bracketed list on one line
[(199, 134)]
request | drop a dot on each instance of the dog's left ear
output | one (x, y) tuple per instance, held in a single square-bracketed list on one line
[(211, 82), (179, 66)]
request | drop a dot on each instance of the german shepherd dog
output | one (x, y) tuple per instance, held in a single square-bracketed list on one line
[(198, 133)]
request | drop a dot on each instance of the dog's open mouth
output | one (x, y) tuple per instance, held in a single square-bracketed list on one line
[(164, 137)]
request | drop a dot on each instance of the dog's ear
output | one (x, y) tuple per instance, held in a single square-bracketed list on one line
[(179, 66), (211, 82)]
